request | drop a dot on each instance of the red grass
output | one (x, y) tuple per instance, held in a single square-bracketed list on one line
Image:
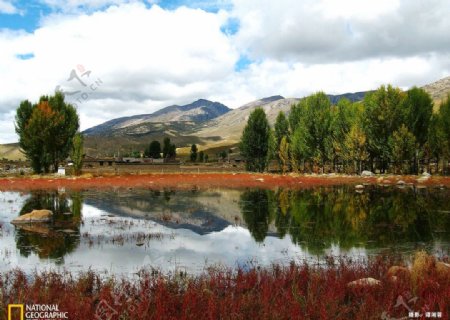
[(203, 180), (291, 292)]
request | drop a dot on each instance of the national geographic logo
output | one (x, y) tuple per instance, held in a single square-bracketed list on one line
[(36, 312), (15, 312)]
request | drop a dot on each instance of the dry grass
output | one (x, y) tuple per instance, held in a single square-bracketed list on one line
[(11, 151)]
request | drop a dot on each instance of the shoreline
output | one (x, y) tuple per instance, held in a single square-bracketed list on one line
[(209, 180)]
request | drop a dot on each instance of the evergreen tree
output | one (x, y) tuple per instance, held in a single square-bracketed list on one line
[(312, 129), (383, 115), (154, 150), (169, 149), (344, 115), (283, 154), (255, 141), (193, 155), (201, 156), (281, 130), (77, 153), (418, 112), (444, 125)]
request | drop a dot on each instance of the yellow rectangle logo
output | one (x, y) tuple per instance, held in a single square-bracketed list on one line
[(15, 306)]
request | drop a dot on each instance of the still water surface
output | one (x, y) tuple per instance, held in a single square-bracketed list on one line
[(122, 231)]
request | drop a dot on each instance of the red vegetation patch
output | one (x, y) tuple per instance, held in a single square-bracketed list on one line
[(292, 292), (203, 180)]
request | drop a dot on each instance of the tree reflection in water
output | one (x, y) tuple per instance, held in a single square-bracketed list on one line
[(255, 210), (378, 217), (59, 237)]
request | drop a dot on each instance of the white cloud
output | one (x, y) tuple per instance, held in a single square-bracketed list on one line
[(296, 80), (147, 55), (148, 58), (367, 10), (332, 31), (8, 7)]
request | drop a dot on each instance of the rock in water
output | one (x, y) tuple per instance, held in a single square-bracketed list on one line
[(39, 228), (34, 216)]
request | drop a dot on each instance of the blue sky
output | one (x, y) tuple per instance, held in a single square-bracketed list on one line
[(150, 54), (28, 13)]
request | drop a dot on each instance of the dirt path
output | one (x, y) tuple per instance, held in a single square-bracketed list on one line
[(207, 180)]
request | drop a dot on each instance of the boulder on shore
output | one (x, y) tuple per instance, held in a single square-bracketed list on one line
[(364, 282), (34, 216), (367, 173)]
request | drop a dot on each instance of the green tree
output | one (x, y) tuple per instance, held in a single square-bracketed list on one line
[(77, 153), (154, 150), (436, 140), (166, 147), (281, 129), (403, 146), (255, 141), (383, 115), (169, 149), (418, 112), (201, 156), (296, 116), (283, 154), (172, 151), (312, 120), (444, 125), (222, 155), (46, 130), (272, 152), (300, 151), (193, 155), (345, 114)]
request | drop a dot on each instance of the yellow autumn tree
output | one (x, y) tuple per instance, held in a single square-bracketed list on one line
[(355, 147)]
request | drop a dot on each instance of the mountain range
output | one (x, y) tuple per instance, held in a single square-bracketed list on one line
[(211, 125), (195, 112)]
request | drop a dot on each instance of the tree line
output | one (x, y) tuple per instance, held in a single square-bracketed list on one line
[(390, 130), (154, 150)]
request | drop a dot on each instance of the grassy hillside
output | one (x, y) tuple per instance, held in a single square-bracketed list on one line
[(11, 151)]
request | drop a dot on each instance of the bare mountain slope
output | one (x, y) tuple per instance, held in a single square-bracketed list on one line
[(196, 112), (229, 126), (439, 89)]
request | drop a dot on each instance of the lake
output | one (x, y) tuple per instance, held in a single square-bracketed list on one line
[(121, 231)]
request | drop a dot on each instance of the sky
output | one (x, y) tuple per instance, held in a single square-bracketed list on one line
[(116, 58)]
